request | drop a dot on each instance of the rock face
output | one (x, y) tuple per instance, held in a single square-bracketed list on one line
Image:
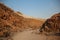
[(11, 22), (52, 24)]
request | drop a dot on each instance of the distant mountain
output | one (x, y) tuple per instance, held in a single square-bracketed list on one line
[(12, 21)]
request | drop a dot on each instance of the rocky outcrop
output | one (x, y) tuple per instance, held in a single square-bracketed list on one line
[(52, 24)]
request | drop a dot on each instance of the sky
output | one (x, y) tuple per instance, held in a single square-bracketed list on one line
[(34, 8)]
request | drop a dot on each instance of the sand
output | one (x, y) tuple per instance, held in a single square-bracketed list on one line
[(33, 35)]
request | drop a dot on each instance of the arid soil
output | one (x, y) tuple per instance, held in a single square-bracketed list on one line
[(33, 35)]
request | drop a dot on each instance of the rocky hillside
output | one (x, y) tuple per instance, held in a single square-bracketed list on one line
[(52, 24), (12, 21)]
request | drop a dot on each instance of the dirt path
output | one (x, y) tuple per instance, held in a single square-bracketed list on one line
[(31, 35)]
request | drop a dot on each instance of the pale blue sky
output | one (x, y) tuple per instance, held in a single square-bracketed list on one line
[(35, 8)]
